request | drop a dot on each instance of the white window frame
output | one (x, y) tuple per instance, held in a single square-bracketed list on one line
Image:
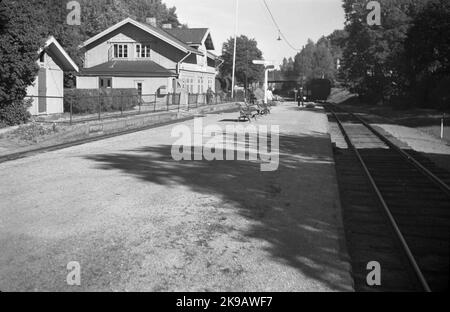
[(143, 50), (120, 50), (210, 83)]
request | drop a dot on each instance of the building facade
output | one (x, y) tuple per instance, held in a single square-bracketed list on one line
[(47, 91), (151, 59)]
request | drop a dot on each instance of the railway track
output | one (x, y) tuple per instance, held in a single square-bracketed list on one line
[(396, 209)]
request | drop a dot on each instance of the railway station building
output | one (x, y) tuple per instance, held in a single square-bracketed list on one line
[(151, 59)]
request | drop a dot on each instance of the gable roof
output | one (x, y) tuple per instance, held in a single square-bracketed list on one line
[(193, 36), (189, 35), (56, 51), (129, 69), (155, 31)]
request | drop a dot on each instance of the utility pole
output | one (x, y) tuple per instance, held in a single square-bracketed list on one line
[(246, 74), (234, 54)]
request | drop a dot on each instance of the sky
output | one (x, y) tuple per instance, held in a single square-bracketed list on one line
[(298, 20)]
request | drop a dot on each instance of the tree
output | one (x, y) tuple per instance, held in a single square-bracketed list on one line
[(304, 62), (246, 51), (101, 14), (372, 53), (427, 55), (25, 25), (324, 64), (22, 33), (287, 66)]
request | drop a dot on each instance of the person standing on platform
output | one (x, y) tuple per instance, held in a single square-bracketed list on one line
[(300, 99)]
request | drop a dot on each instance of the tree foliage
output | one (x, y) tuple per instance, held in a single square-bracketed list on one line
[(25, 25), (315, 60), (427, 55), (20, 41), (392, 61), (246, 51)]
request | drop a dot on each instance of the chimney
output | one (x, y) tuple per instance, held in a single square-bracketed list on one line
[(167, 26), (151, 21)]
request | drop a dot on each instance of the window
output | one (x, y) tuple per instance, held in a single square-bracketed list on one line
[(142, 50), (105, 82), (42, 57), (200, 85), (139, 88), (190, 85), (120, 51)]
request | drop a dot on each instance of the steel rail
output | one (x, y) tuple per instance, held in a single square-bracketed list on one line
[(405, 155), (391, 218)]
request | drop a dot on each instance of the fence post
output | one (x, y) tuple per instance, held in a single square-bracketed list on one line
[(71, 109), (99, 107), (188, 100), (167, 101), (139, 98), (154, 102)]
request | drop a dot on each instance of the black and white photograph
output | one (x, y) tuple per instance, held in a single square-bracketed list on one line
[(224, 152)]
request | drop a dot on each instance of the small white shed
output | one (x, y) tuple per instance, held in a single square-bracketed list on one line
[(47, 91)]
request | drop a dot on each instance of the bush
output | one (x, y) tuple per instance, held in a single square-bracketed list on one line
[(440, 95), (86, 101), (15, 113), (32, 132)]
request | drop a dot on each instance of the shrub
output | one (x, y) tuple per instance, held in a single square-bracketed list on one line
[(14, 113), (440, 95), (32, 132), (86, 101)]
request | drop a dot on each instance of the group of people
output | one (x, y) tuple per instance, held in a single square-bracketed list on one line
[(258, 95)]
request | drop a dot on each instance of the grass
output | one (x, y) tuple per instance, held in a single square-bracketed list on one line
[(31, 132), (427, 120)]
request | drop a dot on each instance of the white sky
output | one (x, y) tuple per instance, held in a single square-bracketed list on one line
[(298, 20)]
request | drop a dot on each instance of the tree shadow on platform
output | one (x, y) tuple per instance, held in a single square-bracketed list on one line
[(292, 209)]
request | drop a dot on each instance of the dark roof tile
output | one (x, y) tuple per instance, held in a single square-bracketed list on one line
[(144, 68), (188, 35)]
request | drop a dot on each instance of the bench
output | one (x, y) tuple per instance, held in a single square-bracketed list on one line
[(247, 112)]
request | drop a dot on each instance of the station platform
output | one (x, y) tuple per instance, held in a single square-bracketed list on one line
[(137, 220)]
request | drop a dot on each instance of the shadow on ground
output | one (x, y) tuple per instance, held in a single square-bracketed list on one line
[(286, 208)]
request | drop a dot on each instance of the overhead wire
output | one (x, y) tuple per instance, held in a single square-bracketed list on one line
[(279, 29)]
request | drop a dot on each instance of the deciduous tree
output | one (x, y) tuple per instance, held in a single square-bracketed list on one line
[(246, 51)]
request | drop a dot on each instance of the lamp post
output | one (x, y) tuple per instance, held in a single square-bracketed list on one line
[(234, 54), (268, 66)]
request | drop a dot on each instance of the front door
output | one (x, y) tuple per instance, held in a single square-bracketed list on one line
[(42, 90)]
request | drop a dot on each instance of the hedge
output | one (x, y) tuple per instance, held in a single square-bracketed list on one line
[(86, 101), (14, 113)]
